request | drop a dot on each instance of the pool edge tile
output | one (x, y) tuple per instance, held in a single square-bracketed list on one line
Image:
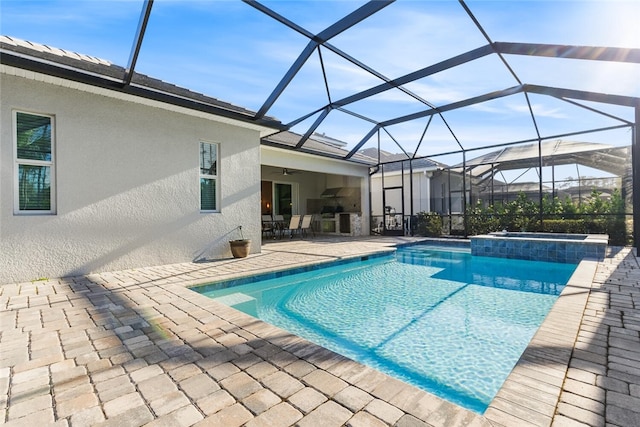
[(570, 305)]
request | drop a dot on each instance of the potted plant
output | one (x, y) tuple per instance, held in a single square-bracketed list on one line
[(240, 247)]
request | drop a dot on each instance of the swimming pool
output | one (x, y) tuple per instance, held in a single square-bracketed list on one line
[(442, 320)]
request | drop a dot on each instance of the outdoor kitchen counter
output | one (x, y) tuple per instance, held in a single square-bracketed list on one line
[(343, 223)]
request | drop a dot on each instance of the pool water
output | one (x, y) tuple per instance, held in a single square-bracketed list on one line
[(442, 320)]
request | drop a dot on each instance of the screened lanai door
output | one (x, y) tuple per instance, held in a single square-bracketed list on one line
[(393, 201)]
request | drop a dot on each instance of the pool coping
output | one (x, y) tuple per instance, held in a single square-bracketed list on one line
[(538, 374), (277, 273), (541, 370)]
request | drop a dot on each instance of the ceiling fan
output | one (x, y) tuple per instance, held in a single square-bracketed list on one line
[(286, 172)]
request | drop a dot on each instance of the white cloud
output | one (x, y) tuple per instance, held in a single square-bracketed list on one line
[(539, 110)]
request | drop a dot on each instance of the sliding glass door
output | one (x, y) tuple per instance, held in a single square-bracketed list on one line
[(282, 199)]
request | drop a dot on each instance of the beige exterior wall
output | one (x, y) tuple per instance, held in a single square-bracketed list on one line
[(421, 192), (127, 183)]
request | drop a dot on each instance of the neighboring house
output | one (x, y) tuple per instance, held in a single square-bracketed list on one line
[(100, 175), (399, 191), (388, 180)]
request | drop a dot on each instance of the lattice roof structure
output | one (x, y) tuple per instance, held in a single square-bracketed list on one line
[(410, 126), (551, 153)]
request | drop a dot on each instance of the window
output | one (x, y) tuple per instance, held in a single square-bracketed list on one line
[(208, 177), (34, 183)]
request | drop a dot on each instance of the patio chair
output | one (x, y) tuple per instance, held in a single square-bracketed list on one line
[(279, 224), (268, 227), (306, 225), (294, 226)]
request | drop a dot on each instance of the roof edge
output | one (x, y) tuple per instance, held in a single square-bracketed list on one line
[(27, 61)]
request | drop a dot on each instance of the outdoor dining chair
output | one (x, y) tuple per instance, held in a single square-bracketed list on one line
[(268, 226), (294, 226), (306, 225)]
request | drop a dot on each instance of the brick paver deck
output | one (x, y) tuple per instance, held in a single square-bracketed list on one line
[(136, 348)]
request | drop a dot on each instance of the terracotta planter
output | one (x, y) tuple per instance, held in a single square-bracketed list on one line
[(240, 248)]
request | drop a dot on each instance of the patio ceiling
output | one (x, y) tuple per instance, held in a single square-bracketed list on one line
[(412, 103)]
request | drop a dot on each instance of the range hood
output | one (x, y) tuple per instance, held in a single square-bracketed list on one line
[(338, 192)]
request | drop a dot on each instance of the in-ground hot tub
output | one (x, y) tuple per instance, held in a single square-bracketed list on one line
[(552, 247)]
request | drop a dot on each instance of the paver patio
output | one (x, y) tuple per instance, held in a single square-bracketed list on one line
[(136, 348)]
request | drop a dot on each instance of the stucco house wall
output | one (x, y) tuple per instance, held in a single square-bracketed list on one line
[(421, 192), (440, 192), (127, 182)]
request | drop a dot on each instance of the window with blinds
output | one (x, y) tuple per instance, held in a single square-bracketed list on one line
[(34, 150), (209, 192)]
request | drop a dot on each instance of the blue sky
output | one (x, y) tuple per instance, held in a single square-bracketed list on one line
[(229, 50)]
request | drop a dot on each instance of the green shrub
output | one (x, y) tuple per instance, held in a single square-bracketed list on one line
[(566, 226), (616, 228), (429, 224), (595, 225), (595, 215)]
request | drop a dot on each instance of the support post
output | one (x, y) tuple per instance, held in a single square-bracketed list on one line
[(449, 201), (540, 187), (635, 167), (137, 42), (410, 219), (384, 202), (464, 193), (403, 207)]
